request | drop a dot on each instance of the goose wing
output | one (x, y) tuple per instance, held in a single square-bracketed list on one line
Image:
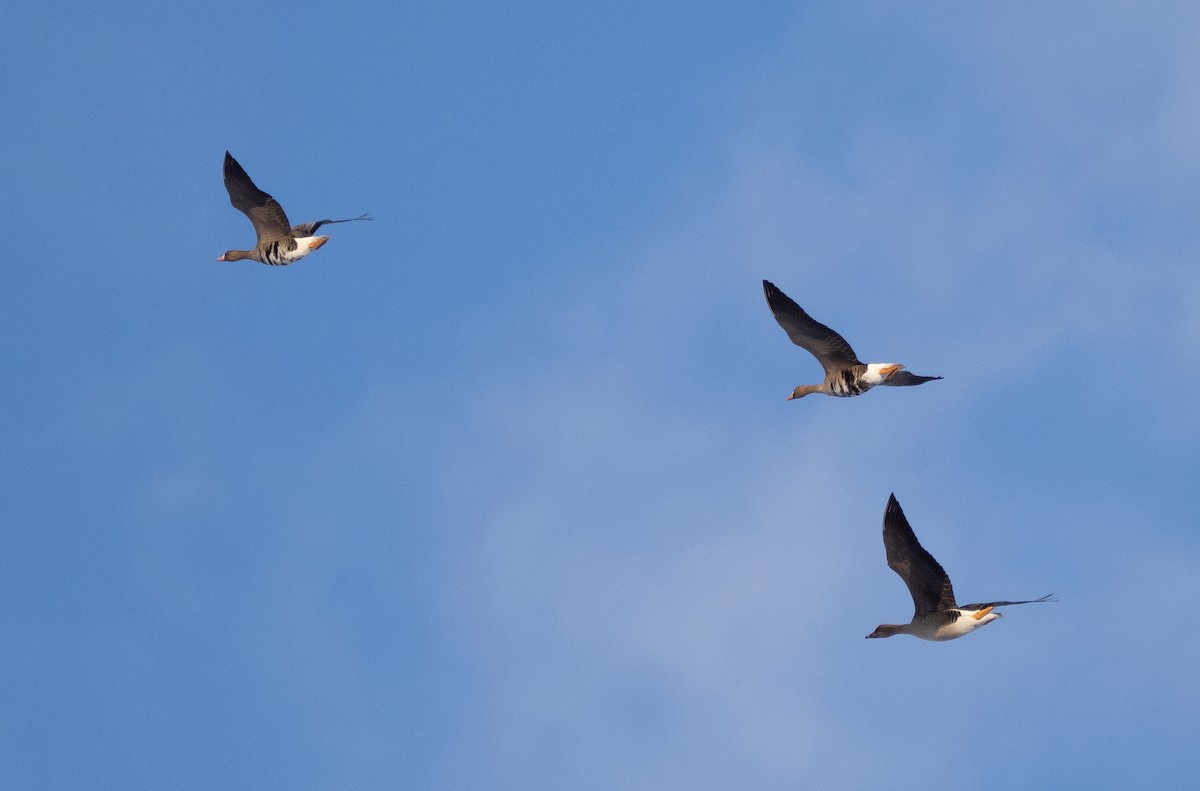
[(830, 349), (981, 605), (309, 228), (927, 581), (905, 379), (265, 213)]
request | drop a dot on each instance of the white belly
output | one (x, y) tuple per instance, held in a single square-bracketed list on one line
[(964, 624)]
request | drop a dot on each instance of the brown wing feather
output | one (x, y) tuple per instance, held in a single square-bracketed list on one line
[(905, 379), (269, 220), (830, 349), (309, 228), (927, 581), (980, 606)]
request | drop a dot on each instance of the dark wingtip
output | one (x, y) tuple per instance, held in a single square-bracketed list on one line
[(893, 514), (771, 292)]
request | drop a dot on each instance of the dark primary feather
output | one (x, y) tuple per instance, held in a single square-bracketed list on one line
[(830, 349), (269, 220), (980, 606), (309, 228), (927, 581), (905, 379)]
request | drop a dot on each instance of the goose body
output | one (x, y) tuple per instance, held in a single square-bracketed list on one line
[(937, 616), (278, 242), (845, 374)]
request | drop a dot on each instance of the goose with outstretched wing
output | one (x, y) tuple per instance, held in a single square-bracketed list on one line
[(845, 375), (278, 242), (937, 617)]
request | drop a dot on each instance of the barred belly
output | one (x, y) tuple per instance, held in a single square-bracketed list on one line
[(848, 384), (280, 253)]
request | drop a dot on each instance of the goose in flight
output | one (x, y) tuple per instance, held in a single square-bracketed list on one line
[(937, 616), (845, 375), (279, 243)]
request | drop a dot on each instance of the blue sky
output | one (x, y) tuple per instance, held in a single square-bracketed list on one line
[(501, 489)]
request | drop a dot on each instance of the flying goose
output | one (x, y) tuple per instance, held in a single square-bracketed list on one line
[(279, 243), (937, 616), (844, 374)]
